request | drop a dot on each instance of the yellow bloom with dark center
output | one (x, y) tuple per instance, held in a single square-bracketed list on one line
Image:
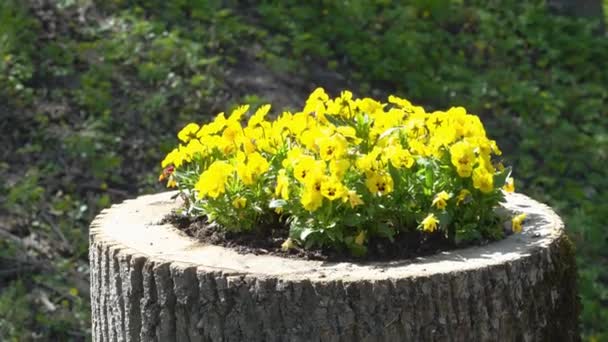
[(333, 147), (342, 106), (369, 163), (440, 200), (306, 166), (239, 202), (429, 224), (416, 126), (315, 180), (516, 222), (379, 184), (188, 132), (400, 157), (483, 180), (333, 189), (509, 185), (462, 157)]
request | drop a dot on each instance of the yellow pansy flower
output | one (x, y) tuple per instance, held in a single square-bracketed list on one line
[(239, 202), (288, 244), (429, 224), (509, 185), (360, 239), (516, 222), (338, 167), (399, 157), (257, 163), (259, 115), (213, 127), (333, 189), (188, 132), (462, 157), (212, 182), (440, 200), (333, 147), (483, 180), (379, 184), (311, 200), (282, 188), (175, 157), (306, 166), (237, 113), (354, 199), (462, 195)]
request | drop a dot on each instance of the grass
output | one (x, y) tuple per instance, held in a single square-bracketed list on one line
[(92, 93)]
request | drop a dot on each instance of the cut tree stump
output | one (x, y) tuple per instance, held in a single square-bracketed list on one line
[(151, 282)]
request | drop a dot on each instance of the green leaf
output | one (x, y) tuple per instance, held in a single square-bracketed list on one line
[(444, 218), (389, 131), (429, 177), (305, 233), (336, 121), (501, 178), (395, 174), (385, 231), (352, 220)]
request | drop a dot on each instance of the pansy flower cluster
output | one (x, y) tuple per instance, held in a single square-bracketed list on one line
[(343, 171)]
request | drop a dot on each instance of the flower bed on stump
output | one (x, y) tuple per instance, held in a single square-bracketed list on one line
[(343, 176)]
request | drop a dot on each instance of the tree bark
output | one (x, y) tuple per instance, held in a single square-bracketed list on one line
[(150, 282)]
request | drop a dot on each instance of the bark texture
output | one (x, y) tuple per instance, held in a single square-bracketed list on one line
[(138, 295)]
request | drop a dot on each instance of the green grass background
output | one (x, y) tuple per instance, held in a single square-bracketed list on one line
[(92, 93)]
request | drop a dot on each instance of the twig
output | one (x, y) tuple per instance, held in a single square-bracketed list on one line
[(4, 233), (10, 272), (65, 242)]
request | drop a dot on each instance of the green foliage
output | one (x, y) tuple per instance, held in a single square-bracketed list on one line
[(16, 45), (85, 106)]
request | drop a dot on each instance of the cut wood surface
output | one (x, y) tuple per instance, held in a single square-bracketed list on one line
[(151, 282)]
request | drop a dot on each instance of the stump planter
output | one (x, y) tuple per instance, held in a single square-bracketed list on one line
[(151, 282)]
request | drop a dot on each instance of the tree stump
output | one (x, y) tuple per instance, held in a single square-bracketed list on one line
[(151, 282)]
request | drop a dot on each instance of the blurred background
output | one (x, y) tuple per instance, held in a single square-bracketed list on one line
[(92, 94)]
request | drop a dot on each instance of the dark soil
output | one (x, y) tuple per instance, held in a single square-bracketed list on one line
[(404, 246)]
